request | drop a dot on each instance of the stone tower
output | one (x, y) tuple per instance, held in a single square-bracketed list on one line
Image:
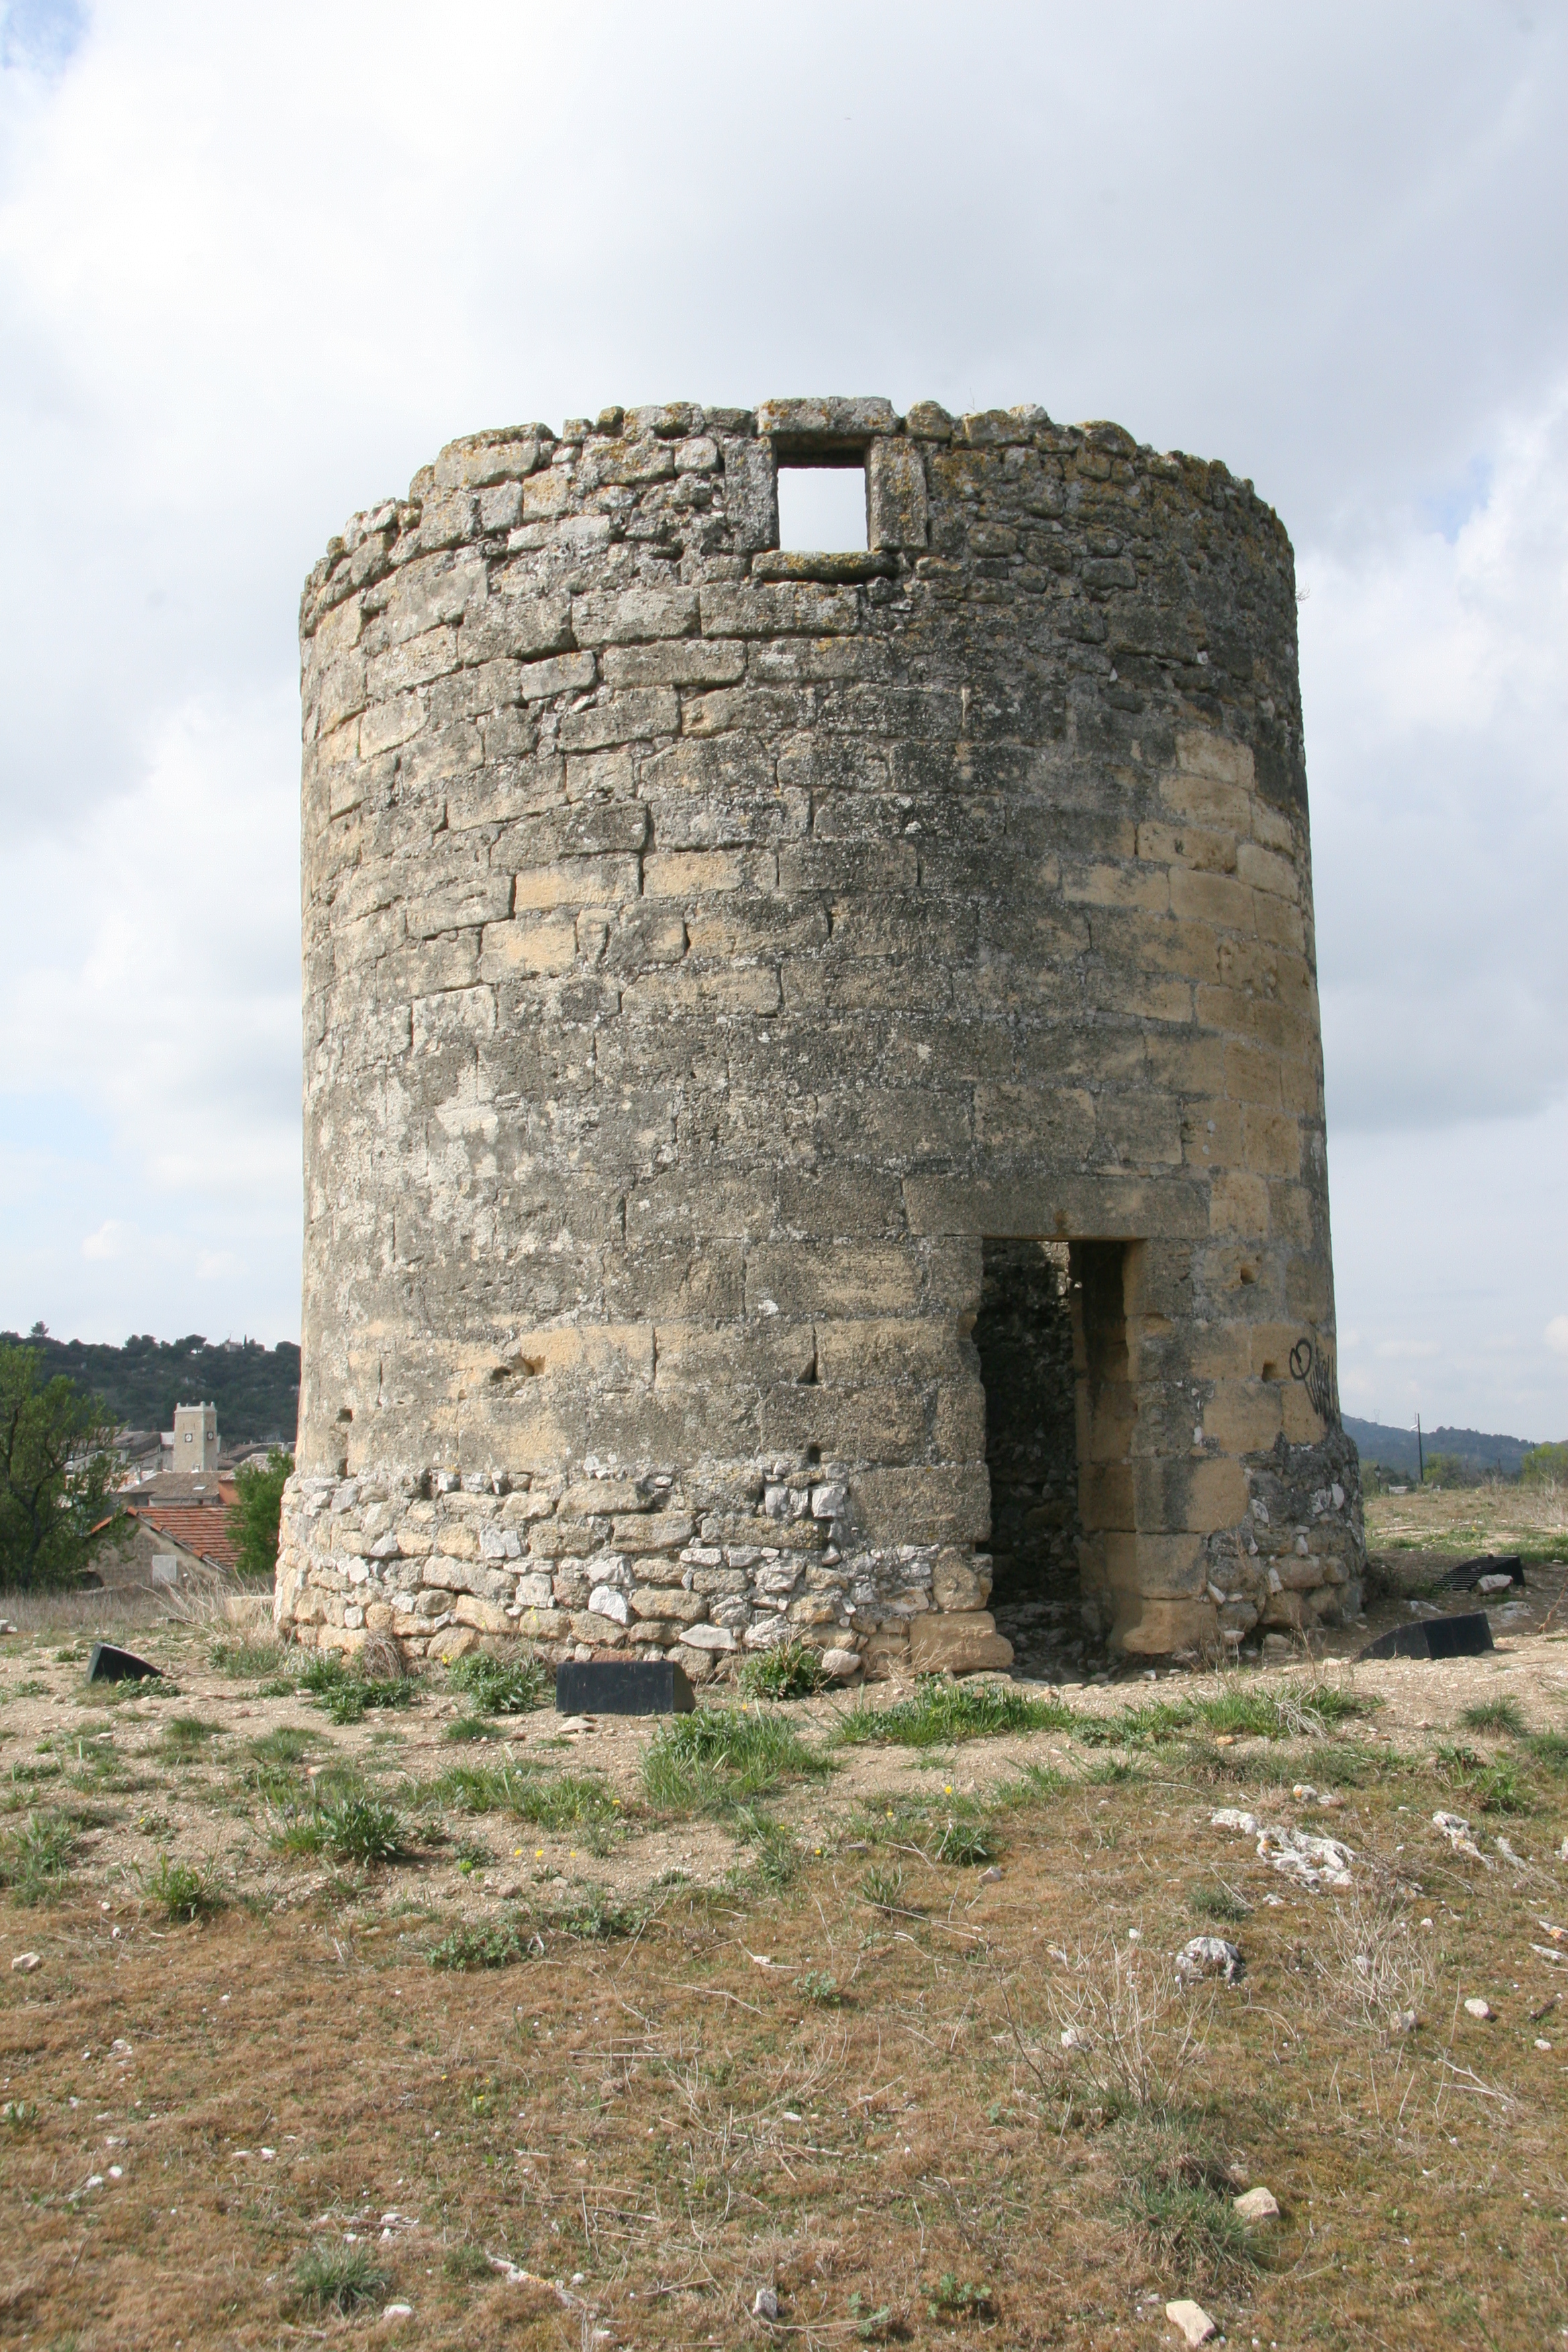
[(742, 984), (196, 1446)]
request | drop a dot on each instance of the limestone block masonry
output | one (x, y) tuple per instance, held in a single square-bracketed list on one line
[(709, 951)]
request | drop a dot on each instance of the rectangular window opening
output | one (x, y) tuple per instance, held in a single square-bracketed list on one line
[(822, 509)]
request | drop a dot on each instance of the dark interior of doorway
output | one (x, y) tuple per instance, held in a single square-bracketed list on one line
[(1024, 1334)]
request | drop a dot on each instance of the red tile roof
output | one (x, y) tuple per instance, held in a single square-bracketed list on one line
[(201, 1527)]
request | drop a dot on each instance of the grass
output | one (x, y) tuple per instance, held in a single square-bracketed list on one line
[(1241, 1714), (1497, 1785), (1222, 1904), (941, 1712), (1498, 1714), (247, 1660), (1549, 1749), (180, 1890), (789, 1670), (185, 1738), (717, 1758), (498, 1944), (348, 1697), (1180, 2206), (349, 1826), (340, 2279), (36, 1857), (503, 1685), (557, 1801), (859, 2094)]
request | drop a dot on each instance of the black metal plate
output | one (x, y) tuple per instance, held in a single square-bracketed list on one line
[(623, 1686), (107, 1664), (1435, 1637)]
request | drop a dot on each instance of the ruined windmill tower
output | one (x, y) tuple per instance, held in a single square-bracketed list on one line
[(811, 1059)]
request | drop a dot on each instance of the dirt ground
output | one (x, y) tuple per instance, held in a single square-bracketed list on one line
[(812, 2041)]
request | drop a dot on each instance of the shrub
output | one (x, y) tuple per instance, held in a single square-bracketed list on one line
[(941, 1711), (789, 1670), (504, 1685)]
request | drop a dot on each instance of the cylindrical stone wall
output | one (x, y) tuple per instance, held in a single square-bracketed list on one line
[(707, 950)]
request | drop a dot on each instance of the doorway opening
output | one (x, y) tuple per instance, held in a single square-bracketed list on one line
[(1024, 1336)]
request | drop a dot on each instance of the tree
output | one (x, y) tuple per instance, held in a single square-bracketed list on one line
[(56, 1473), (1445, 1470), (1543, 1462), (253, 1519)]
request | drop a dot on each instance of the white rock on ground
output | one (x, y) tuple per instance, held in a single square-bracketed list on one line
[(1476, 2007), (766, 2304), (26, 1961), (1257, 2205), (1209, 1956), (1192, 2320)]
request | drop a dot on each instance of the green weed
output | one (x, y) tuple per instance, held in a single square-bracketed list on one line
[(243, 1659), (348, 1827), (719, 1757), (1503, 1715), (347, 1696), (339, 2278), (496, 1947), (285, 1744), (465, 2261), (1180, 2207), (884, 1890), (180, 1890), (594, 1917), (34, 1859), (789, 1670), (1550, 1750), (185, 1738), (941, 1711), (1220, 1903), (1494, 1788), (817, 1987), (953, 2298), (505, 1686), (557, 1801)]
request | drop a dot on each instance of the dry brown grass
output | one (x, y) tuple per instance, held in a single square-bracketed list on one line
[(853, 2103)]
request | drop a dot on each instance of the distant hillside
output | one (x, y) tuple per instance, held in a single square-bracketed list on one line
[(255, 1388), (1395, 1448)]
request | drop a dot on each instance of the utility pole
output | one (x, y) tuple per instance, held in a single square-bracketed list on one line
[(1420, 1456)]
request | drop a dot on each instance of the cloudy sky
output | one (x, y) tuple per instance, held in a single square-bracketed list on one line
[(257, 265)]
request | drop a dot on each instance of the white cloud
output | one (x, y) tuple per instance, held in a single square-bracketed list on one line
[(257, 265), (1437, 705), (1556, 1334)]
